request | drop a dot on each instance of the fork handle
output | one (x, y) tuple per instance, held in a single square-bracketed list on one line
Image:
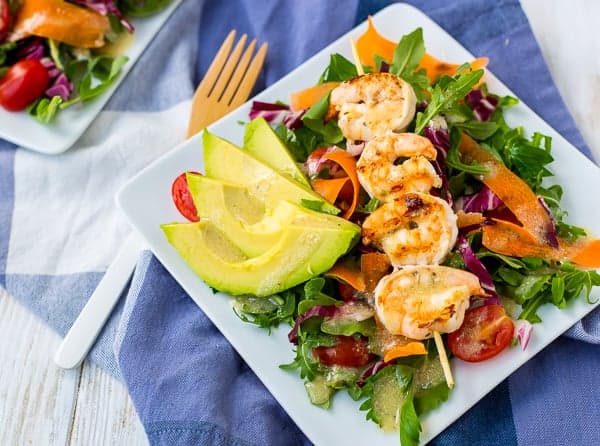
[(85, 329)]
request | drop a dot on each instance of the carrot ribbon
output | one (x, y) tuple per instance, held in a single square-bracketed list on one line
[(531, 239), (371, 43), (330, 189)]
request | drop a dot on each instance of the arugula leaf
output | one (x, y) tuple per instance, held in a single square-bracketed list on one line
[(348, 328), (510, 261), (314, 287), (370, 206), (44, 109), (319, 393), (301, 142), (339, 69), (533, 282), (428, 398), (478, 129), (267, 312), (446, 93), (408, 53), (92, 77), (314, 119), (410, 427), (305, 361), (453, 158), (552, 196), (316, 205), (531, 286)]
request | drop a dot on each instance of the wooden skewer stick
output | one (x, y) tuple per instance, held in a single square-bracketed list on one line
[(443, 359), (357, 63)]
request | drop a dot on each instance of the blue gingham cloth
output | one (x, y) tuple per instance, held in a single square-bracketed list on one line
[(59, 230)]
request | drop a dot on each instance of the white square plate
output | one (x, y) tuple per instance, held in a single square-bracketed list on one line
[(146, 201), (56, 137)]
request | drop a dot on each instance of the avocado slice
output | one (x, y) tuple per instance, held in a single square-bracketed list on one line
[(230, 208), (225, 161), (298, 255), (261, 141)]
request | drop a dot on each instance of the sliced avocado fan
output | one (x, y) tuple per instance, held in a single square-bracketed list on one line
[(297, 255)]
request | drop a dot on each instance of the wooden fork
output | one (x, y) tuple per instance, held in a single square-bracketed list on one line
[(227, 83)]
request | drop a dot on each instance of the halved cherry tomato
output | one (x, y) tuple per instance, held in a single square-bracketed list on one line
[(4, 18), (348, 352), (485, 332), (22, 84), (183, 199)]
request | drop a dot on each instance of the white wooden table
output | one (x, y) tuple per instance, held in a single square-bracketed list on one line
[(43, 405)]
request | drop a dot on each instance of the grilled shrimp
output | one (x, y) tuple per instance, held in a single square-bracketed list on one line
[(372, 105), (412, 229), (415, 301), (382, 176)]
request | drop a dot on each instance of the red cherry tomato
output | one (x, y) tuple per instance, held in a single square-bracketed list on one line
[(348, 352), (485, 332), (22, 84), (183, 199), (4, 18)]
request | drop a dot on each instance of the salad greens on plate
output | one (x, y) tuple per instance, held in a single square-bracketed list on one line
[(57, 53), (512, 236)]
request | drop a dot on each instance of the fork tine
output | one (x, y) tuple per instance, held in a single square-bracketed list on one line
[(212, 74), (250, 78), (238, 74), (228, 68)]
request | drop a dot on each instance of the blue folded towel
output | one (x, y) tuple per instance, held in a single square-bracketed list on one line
[(188, 385)]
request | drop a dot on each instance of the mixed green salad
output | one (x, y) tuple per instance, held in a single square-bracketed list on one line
[(511, 242), (56, 53)]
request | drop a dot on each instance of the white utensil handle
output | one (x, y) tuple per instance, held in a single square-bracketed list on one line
[(85, 329)]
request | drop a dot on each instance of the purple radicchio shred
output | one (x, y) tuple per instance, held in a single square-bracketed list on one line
[(355, 148), (474, 265), (482, 105), (105, 7), (421, 106), (523, 330), (59, 83), (384, 67), (60, 87), (440, 139), (550, 230), (484, 200), (312, 166), (276, 114), (34, 49), (317, 310), (53, 71), (372, 370)]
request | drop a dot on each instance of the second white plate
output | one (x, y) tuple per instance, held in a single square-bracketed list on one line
[(23, 130)]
